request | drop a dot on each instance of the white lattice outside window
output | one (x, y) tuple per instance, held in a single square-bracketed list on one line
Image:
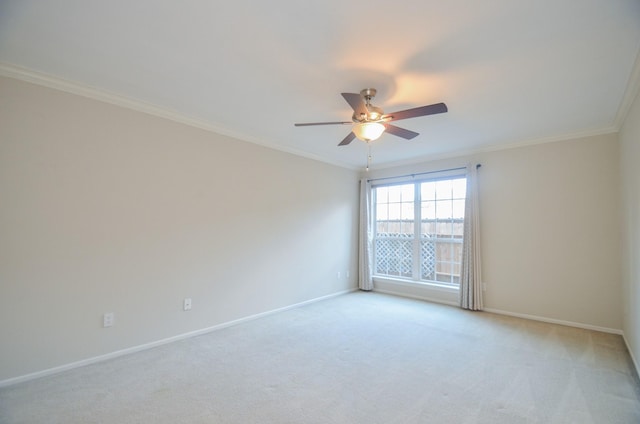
[(419, 230)]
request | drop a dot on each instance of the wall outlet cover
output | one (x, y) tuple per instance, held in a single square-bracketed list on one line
[(187, 304), (108, 319)]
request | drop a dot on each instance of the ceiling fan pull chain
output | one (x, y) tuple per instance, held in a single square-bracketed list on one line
[(368, 155)]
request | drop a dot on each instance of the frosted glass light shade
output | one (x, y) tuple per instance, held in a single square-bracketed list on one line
[(368, 131)]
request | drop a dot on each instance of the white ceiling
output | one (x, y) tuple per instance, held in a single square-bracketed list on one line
[(511, 72)]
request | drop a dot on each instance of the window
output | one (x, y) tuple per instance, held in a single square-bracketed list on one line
[(419, 230)]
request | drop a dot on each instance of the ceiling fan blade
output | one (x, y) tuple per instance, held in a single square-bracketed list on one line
[(348, 139), (400, 132), (415, 112), (307, 124), (357, 103)]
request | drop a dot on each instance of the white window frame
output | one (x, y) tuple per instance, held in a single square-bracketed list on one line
[(417, 238)]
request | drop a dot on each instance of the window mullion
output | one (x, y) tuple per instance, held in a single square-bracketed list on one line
[(417, 223)]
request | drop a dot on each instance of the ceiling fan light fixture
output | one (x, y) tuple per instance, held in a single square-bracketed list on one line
[(375, 113), (368, 131)]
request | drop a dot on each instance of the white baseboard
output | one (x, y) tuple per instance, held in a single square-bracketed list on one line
[(633, 358), (555, 321), (508, 313), (134, 349)]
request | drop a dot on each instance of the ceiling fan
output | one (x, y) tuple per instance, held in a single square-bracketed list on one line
[(369, 121)]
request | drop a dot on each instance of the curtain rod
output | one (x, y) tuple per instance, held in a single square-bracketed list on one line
[(422, 173)]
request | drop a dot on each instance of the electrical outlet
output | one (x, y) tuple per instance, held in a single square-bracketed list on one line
[(107, 319), (338, 275), (347, 274), (187, 304)]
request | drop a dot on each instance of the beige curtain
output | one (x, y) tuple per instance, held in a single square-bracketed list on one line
[(365, 254), (471, 275)]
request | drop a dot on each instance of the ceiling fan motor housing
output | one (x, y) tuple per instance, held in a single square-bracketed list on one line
[(374, 113), (368, 93)]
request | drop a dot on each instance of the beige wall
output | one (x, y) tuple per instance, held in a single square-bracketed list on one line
[(104, 209), (550, 230), (630, 174)]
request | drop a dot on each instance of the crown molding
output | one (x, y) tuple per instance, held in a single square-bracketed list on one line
[(56, 83), (497, 147), (633, 86)]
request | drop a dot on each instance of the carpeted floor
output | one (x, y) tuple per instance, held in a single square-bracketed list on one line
[(358, 358)]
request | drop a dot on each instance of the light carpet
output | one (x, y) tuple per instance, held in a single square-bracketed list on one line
[(357, 358)]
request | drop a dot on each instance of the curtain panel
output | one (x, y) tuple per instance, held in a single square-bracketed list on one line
[(365, 251), (471, 273)]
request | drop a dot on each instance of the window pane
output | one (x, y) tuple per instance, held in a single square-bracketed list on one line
[(443, 268), (457, 252), (393, 227), (382, 195), (427, 260), (407, 228), (396, 192), (458, 209), (443, 209), (458, 229), (408, 192), (443, 189), (428, 228), (407, 211), (444, 229), (394, 211), (428, 191), (459, 188), (443, 251), (382, 227), (382, 213), (393, 256), (428, 210)]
